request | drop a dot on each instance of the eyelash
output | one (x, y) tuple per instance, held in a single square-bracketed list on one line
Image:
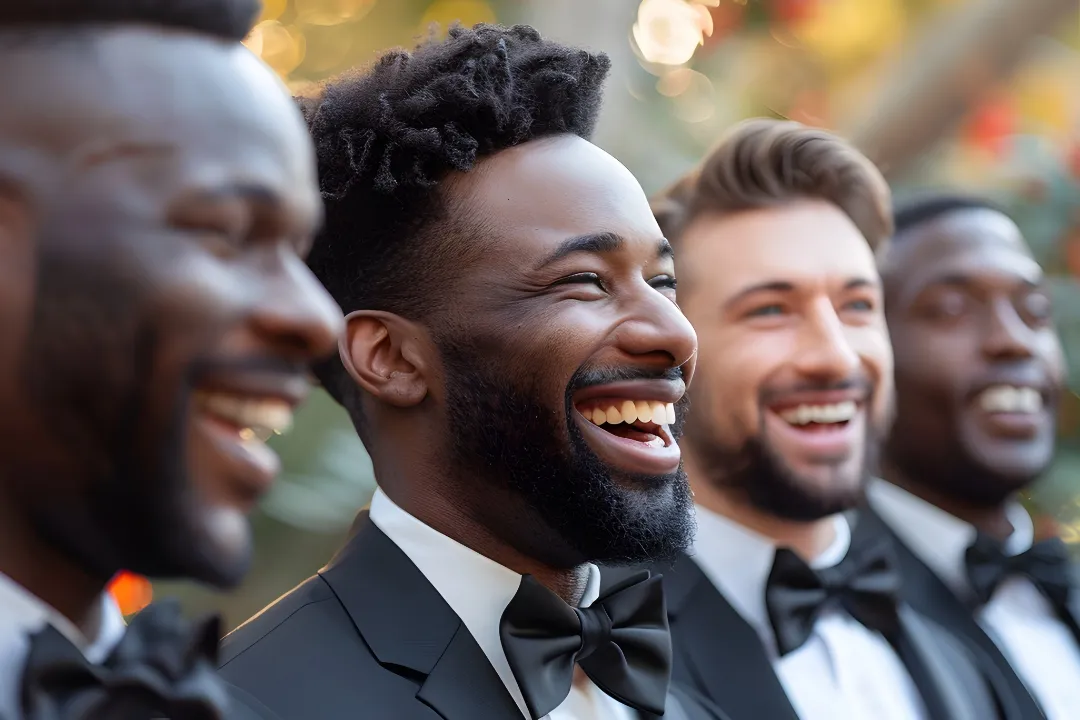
[(662, 281)]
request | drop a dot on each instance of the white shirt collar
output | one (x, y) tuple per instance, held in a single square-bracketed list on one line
[(476, 588), (738, 561), (22, 614), (937, 538)]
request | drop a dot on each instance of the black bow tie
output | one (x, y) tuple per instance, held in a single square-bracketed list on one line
[(621, 641), (865, 584), (162, 668), (1046, 564)]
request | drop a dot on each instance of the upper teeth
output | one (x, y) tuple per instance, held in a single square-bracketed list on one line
[(1010, 399), (256, 418), (631, 411), (822, 414)]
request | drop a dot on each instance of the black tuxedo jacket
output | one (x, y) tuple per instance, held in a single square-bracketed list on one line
[(926, 592), (720, 655), (370, 637)]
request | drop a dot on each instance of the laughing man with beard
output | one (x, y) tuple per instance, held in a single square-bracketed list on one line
[(516, 365), (775, 613)]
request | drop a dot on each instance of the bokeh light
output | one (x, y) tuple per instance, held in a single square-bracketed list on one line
[(280, 47), (668, 32), (444, 13), (331, 12)]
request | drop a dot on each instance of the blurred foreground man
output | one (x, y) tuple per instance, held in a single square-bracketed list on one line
[(157, 191), (979, 372), (516, 365), (775, 613)]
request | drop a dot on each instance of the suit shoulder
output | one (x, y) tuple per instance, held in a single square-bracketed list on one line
[(288, 609)]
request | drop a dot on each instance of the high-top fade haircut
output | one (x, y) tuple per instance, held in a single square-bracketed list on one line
[(227, 19), (764, 163), (388, 138)]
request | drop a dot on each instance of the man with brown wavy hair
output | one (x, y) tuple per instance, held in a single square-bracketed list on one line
[(774, 613)]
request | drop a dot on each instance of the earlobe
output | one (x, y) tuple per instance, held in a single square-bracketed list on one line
[(381, 352)]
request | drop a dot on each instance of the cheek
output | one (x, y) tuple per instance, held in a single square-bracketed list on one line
[(731, 370)]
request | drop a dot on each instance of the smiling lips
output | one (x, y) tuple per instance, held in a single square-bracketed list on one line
[(254, 418)]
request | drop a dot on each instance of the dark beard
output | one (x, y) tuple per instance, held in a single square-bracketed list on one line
[(759, 474), (509, 437)]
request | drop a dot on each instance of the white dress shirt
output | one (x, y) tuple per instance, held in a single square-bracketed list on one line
[(478, 590), (844, 671), (1018, 618), (22, 614)]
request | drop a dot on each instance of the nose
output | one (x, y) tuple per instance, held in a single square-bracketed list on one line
[(296, 315), (825, 352), (656, 332), (1006, 335)]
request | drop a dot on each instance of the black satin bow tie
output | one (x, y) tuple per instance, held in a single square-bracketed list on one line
[(1046, 564), (865, 584), (162, 668), (621, 641)]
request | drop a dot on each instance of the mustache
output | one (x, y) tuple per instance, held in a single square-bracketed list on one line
[(260, 364), (587, 377), (855, 382)]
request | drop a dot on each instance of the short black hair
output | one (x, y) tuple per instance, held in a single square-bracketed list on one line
[(387, 139), (227, 19), (927, 206)]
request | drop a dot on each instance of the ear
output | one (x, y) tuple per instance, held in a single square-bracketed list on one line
[(387, 356)]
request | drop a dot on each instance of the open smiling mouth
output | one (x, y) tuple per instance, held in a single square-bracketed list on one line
[(642, 421), (252, 418), (819, 418)]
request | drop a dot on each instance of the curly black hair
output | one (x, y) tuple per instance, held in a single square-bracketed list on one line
[(387, 139), (227, 19), (926, 206)]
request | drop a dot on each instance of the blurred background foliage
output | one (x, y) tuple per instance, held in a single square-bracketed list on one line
[(982, 95)]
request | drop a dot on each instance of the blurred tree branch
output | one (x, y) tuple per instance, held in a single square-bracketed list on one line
[(940, 77)]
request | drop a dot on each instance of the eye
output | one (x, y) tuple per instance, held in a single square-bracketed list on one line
[(664, 281), (1037, 306), (861, 305), (586, 278), (948, 305), (766, 311)]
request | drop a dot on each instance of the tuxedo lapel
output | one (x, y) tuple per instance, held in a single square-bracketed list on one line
[(411, 630), (725, 656), (946, 694), (925, 592)]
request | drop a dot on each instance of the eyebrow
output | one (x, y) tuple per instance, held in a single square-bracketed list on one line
[(960, 280), (783, 286), (595, 243)]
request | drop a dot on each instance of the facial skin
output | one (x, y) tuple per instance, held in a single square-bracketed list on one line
[(787, 305), (158, 195), (968, 312), (480, 424)]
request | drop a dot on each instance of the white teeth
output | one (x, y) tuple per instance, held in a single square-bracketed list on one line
[(256, 418), (1010, 399), (630, 412), (821, 414)]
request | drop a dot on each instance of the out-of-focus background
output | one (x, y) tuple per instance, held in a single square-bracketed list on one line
[(982, 95)]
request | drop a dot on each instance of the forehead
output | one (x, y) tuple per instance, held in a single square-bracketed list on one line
[(560, 187), (973, 246), (806, 243), (208, 108)]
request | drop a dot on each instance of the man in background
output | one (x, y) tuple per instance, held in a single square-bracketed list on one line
[(979, 374), (775, 612), (515, 363), (157, 195)]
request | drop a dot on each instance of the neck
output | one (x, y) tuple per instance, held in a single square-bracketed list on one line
[(431, 499), (47, 573), (806, 539), (992, 520)]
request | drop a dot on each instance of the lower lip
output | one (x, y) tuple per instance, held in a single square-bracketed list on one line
[(821, 443), (1013, 425), (627, 455), (249, 465)]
